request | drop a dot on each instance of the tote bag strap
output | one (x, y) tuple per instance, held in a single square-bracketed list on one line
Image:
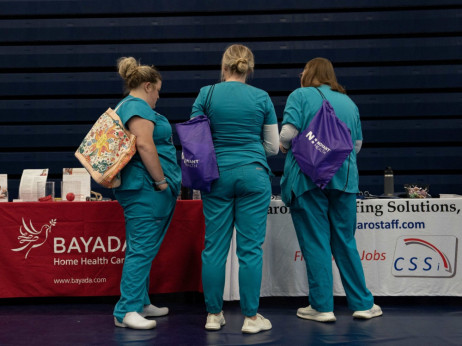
[(208, 99), (120, 104)]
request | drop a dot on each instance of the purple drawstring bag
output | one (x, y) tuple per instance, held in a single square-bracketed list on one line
[(198, 160), (322, 148)]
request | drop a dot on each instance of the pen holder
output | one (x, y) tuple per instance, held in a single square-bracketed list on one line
[(46, 191)]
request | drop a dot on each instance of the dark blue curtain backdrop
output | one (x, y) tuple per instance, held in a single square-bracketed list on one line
[(400, 61)]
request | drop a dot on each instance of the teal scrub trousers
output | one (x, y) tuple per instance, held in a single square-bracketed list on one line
[(239, 198), (147, 216), (325, 223)]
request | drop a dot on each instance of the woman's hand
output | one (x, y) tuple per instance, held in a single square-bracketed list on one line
[(162, 187)]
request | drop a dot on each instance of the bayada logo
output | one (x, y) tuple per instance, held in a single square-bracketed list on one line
[(32, 238), (425, 256)]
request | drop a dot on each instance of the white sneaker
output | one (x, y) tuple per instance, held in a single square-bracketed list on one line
[(153, 311), (135, 321), (215, 322), (375, 311), (254, 326), (309, 313)]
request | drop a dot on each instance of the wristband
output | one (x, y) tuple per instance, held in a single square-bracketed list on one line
[(163, 181)]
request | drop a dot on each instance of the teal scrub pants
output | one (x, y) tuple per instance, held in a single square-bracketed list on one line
[(239, 198), (325, 223), (147, 216)]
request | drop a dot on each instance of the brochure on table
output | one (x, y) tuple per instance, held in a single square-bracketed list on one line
[(76, 183), (31, 180), (3, 188)]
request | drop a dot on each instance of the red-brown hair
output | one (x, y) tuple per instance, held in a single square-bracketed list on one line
[(320, 71)]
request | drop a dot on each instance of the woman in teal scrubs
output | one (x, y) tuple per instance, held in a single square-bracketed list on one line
[(150, 186), (325, 220), (244, 131)]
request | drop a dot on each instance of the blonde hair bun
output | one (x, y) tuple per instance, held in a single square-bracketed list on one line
[(127, 66), (242, 65), (238, 59), (133, 73)]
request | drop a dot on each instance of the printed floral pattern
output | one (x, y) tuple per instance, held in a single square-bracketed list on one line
[(107, 148)]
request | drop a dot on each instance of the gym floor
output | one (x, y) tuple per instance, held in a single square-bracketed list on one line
[(88, 321)]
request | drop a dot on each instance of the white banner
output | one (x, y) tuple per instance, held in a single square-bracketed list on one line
[(408, 247)]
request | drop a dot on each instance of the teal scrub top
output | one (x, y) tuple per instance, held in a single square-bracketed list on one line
[(237, 114), (301, 107), (162, 137)]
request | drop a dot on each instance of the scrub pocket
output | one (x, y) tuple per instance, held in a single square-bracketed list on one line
[(162, 202), (255, 178), (139, 198)]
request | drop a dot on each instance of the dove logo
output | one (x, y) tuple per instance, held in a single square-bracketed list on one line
[(30, 238)]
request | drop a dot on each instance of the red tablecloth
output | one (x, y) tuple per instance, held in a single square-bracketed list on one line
[(78, 248)]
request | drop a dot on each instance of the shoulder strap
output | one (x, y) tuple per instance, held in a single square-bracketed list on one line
[(322, 95), (208, 100), (120, 104)]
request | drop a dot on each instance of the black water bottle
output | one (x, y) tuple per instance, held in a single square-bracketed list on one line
[(186, 193), (388, 183)]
